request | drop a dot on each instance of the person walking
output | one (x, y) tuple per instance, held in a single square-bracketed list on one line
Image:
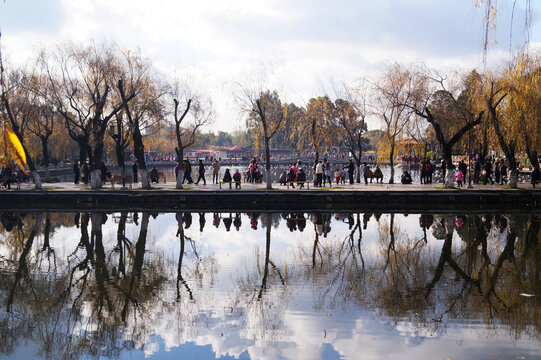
[(327, 172), (187, 172), (351, 170), (201, 173), (535, 176), (86, 173), (429, 170), (497, 171), (319, 174), (476, 171), (253, 171), (463, 167), (443, 171), (215, 171), (459, 177), (503, 172), (488, 171), (135, 170), (76, 172), (103, 171)]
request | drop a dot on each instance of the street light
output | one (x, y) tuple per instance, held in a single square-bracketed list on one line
[(119, 150), (469, 162)]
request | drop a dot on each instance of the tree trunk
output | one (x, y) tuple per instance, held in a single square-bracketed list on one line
[(358, 161), (37, 180), (45, 152), (95, 167), (513, 179), (180, 177), (267, 164), (95, 181), (449, 180), (267, 256), (391, 162), (84, 149), (143, 176)]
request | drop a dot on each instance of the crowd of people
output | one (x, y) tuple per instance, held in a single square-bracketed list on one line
[(489, 170), (11, 174)]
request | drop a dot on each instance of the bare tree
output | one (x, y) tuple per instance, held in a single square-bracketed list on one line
[(195, 114), (265, 115), (451, 113), (42, 124), (144, 111), (84, 97), (349, 115), (20, 105)]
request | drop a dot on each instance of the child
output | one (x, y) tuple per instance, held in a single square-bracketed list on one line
[(283, 178), (459, 178), (237, 177), (337, 176), (343, 176)]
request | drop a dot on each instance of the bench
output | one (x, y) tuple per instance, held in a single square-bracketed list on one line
[(228, 182), (117, 179), (299, 183)]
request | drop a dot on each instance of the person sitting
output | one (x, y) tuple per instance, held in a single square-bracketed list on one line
[(237, 177), (283, 178), (291, 177), (227, 177), (378, 174), (301, 178), (7, 177), (153, 174), (406, 178)]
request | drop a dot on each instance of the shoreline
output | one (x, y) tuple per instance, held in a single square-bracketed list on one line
[(379, 198)]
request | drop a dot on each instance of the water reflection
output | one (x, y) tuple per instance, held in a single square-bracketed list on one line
[(269, 285)]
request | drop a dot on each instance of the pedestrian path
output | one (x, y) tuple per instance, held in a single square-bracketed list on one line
[(66, 186)]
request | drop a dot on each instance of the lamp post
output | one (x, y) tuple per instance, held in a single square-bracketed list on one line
[(469, 160), (119, 149)]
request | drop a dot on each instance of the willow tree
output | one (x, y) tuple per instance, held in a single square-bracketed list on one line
[(394, 92), (144, 111), (265, 116), (316, 128), (286, 137), (349, 121), (525, 103), (513, 102)]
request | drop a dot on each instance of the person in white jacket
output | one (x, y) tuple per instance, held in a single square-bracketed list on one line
[(319, 173)]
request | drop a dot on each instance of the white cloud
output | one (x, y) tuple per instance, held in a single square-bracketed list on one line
[(306, 42)]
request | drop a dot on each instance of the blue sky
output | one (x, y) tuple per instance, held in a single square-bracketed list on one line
[(300, 45)]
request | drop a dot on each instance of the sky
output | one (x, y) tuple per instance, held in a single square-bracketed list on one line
[(296, 47)]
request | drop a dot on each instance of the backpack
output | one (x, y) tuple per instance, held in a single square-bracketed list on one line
[(428, 168)]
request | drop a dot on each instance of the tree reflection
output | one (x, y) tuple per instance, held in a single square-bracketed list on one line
[(106, 295), (180, 279)]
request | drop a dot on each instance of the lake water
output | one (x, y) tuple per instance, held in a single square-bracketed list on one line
[(270, 286)]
